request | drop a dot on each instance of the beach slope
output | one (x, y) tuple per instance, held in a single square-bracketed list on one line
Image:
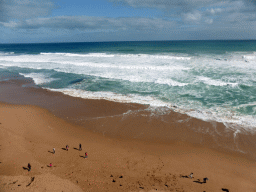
[(28, 134)]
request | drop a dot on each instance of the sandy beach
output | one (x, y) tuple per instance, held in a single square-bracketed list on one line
[(130, 148)]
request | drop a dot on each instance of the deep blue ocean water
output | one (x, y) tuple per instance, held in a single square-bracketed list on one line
[(210, 80)]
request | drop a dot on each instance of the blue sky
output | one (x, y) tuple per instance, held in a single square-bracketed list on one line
[(33, 21)]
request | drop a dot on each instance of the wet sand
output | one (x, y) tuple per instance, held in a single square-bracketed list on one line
[(130, 147)]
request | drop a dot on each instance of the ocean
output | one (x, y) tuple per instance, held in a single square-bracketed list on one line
[(208, 80)]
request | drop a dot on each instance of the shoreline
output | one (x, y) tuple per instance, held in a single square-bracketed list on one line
[(139, 150)]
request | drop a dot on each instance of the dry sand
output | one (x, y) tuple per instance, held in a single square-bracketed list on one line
[(129, 148)]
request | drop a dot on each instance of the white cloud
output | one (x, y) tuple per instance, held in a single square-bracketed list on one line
[(23, 9), (195, 10), (10, 24), (214, 11), (208, 21), (195, 17), (165, 4), (91, 23)]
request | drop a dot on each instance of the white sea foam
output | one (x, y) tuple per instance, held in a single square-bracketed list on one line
[(147, 56), (79, 55), (250, 57), (247, 104), (6, 53), (25, 59), (210, 81), (119, 66), (130, 98), (105, 55), (170, 82), (230, 120), (39, 78)]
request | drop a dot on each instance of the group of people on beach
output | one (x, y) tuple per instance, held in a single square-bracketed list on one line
[(80, 149), (53, 151)]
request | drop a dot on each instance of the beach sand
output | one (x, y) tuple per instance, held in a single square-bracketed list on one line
[(130, 148)]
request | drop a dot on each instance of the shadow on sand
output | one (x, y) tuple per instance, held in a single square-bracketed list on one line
[(198, 181), (25, 168)]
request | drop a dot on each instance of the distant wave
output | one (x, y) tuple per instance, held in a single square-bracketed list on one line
[(210, 81), (116, 66), (80, 55), (105, 55), (6, 53), (171, 57)]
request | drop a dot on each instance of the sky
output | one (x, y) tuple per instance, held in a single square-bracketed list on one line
[(43, 21)]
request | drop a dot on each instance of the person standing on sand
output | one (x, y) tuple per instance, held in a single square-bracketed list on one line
[(80, 147), (53, 150), (29, 167), (67, 147), (205, 179), (50, 165), (85, 155)]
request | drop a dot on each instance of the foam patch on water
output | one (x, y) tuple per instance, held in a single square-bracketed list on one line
[(6, 53), (105, 55), (230, 120), (250, 57), (170, 82), (38, 78), (80, 55), (147, 56), (210, 81), (110, 96), (129, 67)]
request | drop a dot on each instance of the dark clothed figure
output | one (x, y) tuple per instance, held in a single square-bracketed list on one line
[(29, 167)]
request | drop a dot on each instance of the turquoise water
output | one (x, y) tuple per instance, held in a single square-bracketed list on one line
[(210, 80)]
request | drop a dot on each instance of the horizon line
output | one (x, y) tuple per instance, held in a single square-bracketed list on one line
[(135, 41)]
